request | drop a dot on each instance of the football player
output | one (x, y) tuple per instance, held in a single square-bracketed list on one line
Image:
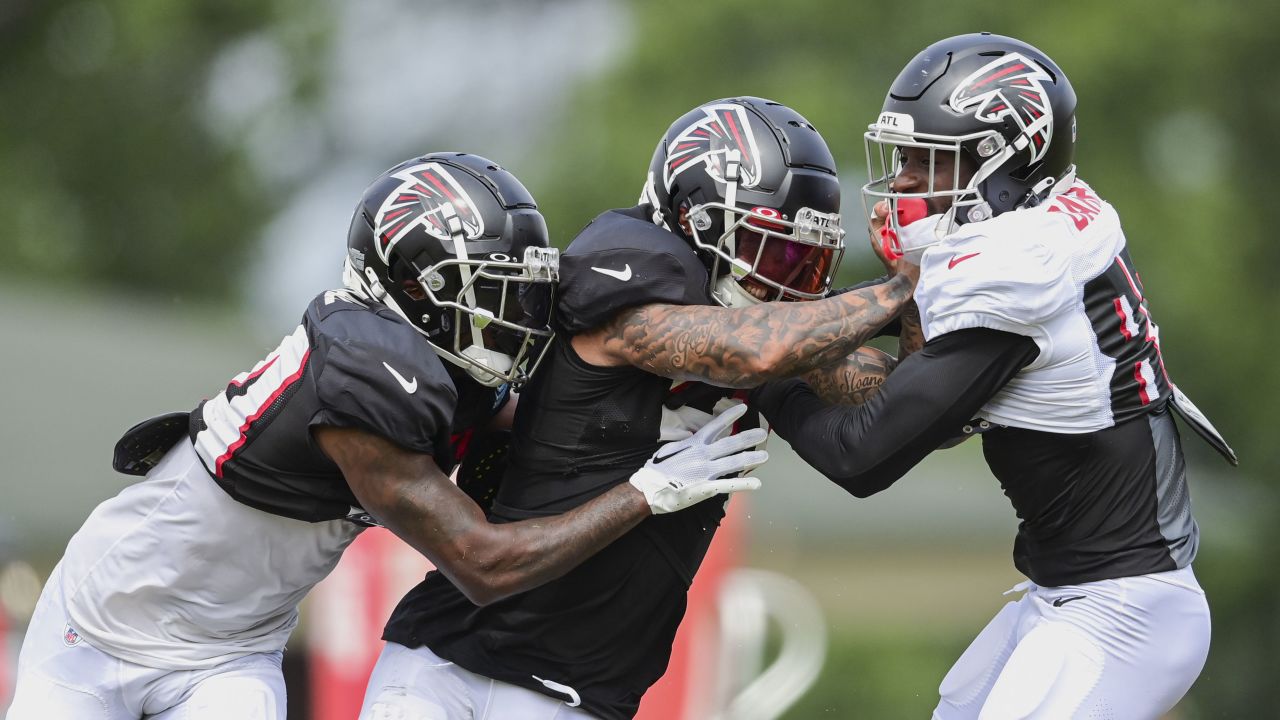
[(741, 205), (1039, 336), (176, 597)]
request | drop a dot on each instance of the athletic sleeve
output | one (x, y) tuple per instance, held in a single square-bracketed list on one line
[(621, 261), (376, 373), (1015, 286), (924, 402)]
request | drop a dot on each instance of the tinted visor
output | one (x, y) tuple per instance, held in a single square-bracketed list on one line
[(785, 264)]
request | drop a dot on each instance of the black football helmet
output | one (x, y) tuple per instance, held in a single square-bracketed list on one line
[(999, 104), (456, 246), (751, 184)]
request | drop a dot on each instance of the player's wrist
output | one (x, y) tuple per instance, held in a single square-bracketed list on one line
[(651, 484), (903, 282), (633, 498)]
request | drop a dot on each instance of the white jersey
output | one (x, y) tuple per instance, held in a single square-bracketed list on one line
[(1059, 274), (174, 573)]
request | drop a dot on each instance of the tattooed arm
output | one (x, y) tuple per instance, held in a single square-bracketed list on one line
[(410, 495), (855, 380), (743, 347), (911, 336)]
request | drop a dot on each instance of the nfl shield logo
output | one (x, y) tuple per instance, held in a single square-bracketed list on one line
[(70, 637)]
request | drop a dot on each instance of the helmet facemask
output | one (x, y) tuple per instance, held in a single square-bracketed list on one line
[(497, 309), (884, 152), (501, 312), (760, 256)]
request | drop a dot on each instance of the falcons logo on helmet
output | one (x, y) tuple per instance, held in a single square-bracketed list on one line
[(1010, 86), (421, 201), (710, 139)]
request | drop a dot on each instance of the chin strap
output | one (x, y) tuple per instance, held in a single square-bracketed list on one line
[(732, 172), (352, 281), (908, 230), (649, 199)]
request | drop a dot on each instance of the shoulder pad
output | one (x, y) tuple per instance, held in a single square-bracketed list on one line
[(1010, 284), (375, 372), (620, 261)]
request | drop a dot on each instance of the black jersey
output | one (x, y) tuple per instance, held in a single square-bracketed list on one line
[(349, 364), (602, 634)]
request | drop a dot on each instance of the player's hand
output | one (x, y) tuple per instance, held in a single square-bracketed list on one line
[(894, 262), (686, 472)]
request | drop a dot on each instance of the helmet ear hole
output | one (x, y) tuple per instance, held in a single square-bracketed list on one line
[(398, 270)]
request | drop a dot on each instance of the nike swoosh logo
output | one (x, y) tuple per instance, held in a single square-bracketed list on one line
[(665, 458), (957, 260), (574, 700), (1064, 600), (624, 274), (410, 386)]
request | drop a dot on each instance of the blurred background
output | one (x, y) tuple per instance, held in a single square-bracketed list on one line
[(176, 179)]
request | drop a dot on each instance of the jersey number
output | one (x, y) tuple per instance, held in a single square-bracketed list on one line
[(1127, 333), (249, 398)]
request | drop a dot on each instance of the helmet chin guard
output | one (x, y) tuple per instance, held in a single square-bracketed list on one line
[(896, 240), (729, 293), (487, 367)]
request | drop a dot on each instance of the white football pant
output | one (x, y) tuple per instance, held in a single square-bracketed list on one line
[(1126, 649), (419, 685), (60, 675)]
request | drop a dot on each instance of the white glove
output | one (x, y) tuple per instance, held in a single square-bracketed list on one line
[(686, 472)]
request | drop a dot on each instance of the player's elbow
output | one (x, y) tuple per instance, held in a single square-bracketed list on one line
[(861, 483), (495, 586), (483, 585), (855, 489), (471, 567), (492, 576), (854, 477), (482, 593)]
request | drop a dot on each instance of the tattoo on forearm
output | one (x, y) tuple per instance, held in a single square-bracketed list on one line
[(855, 380), (911, 337), (744, 347)]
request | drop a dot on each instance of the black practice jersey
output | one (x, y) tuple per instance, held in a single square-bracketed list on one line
[(349, 364), (601, 634)]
